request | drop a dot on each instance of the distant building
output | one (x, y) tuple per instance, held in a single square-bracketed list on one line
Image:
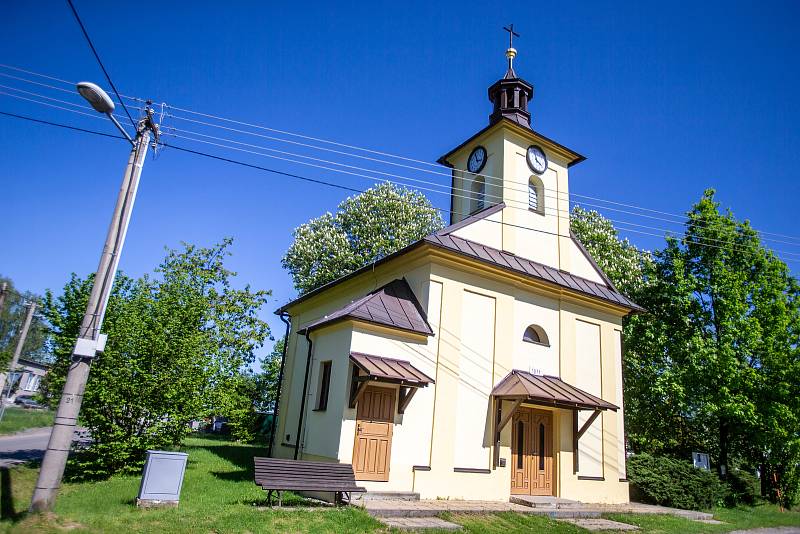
[(26, 379)]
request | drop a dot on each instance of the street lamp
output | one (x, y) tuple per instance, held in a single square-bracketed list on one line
[(91, 342), (101, 103)]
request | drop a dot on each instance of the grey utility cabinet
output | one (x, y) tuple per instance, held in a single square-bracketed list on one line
[(162, 478)]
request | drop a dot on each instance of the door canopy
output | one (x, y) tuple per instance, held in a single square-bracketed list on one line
[(369, 369), (544, 390)]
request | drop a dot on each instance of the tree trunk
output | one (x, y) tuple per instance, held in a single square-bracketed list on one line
[(724, 432)]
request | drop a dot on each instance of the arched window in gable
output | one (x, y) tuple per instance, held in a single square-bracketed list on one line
[(478, 194), (536, 334), (536, 194)]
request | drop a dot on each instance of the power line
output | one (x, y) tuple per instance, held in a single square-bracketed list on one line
[(663, 231), (525, 208), (99, 61), (450, 191), (68, 126), (320, 182), (708, 240), (680, 217)]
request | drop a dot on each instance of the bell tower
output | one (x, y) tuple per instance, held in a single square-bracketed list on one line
[(510, 95), (510, 184)]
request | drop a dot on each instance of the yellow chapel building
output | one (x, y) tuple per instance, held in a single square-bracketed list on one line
[(480, 362)]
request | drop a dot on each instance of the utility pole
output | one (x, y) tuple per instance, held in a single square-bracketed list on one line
[(18, 349), (3, 291), (90, 341)]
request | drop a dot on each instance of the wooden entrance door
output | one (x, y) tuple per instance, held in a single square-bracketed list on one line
[(532, 452), (373, 445)]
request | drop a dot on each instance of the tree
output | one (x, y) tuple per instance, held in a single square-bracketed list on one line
[(253, 397), (177, 345), (365, 228), (723, 328), (624, 264), (652, 402), (11, 318)]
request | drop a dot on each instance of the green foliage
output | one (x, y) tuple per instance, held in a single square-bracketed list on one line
[(619, 259), (240, 411), (268, 379), (742, 488), (366, 227), (12, 316), (670, 482), (176, 346), (714, 365), (253, 395)]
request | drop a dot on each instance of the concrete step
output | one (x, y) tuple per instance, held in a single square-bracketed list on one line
[(545, 502), (433, 508), (385, 496), (423, 513), (419, 523)]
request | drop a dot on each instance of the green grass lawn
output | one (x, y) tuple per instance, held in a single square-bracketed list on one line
[(16, 419), (219, 496)]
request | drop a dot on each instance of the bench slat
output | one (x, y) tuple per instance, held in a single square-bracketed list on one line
[(301, 472), (280, 474)]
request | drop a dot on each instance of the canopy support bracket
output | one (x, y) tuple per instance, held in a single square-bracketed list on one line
[(577, 433), (500, 423), (406, 394)]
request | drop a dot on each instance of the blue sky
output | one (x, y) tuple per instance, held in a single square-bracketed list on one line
[(664, 100)]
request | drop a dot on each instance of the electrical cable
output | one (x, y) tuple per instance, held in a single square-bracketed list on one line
[(681, 218), (322, 182), (100, 62), (626, 224)]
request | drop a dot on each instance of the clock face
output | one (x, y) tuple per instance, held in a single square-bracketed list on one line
[(477, 159), (537, 160)]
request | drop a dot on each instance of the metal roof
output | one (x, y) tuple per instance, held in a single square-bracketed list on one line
[(445, 240), (390, 369), (548, 390), (509, 261), (393, 305)]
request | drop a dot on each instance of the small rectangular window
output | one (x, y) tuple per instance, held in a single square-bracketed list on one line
[(324, 385)]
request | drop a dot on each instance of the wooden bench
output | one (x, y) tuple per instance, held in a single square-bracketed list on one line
[(278, 475)]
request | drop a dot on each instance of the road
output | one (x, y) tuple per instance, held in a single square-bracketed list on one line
[(26, 446)]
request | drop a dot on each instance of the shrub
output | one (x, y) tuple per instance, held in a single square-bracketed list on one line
[(670, 482), (743, 488)]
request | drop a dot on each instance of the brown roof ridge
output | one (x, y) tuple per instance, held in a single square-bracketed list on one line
[(387, 311), (589, 257), (616, 296), (438, 239), (477, 216)]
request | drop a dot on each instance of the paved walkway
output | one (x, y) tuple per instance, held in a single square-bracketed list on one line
[(23, 446), (769, 530), (600, 524), (431, 508), (28, 445), (567, 509)]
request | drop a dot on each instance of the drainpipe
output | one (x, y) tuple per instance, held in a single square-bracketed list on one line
[(303, 400), (285, 318)]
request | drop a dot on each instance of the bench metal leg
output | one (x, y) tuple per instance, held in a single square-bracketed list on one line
[(269, 498), (280, 499)]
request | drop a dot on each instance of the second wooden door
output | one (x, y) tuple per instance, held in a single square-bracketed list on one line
[(532, 452), (373, 443)]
